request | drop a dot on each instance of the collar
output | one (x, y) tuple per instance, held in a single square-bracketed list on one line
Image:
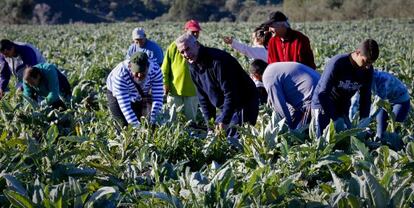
[(203, 59), (290, 35)]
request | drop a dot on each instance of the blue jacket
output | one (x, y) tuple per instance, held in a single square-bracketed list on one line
[(152, 49), (388, 87), (221, 83), (340, 80), (29, 55)]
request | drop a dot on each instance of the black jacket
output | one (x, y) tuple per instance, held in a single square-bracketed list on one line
[(221, 82)]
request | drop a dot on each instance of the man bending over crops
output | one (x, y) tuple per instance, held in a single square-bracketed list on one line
[(344, 75), (47, 81), (287, 44), (257, 68), (178, 86), (221, 83), (142, 44), (129, 86), (386, 86), (28, 54), (290, 87)]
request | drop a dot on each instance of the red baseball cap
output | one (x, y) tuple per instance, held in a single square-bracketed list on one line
[(192, 25)]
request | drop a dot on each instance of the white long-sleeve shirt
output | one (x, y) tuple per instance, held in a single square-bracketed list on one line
[(254, 52)]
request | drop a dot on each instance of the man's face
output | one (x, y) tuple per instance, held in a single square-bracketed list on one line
[(256, 76), (362, 61), (189, 51), (196, 34), (139, 76), (33, 81), (278, 29), (140, 42), (9, 53)]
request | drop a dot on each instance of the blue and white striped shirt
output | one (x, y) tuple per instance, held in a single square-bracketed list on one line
[(121, 83)]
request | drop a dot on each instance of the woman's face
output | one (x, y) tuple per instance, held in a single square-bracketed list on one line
[(256, 41)]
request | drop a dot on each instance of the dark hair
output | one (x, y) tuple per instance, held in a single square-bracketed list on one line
[(258, 66), (262, 33), (370, 49), (31, 71), (6, 45)]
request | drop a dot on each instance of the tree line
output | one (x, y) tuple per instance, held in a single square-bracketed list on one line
[(95, 11)]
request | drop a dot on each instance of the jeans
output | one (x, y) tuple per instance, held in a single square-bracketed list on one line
[(300, 116), (322, 121), (247, 114), (116, 110), (400, 111)]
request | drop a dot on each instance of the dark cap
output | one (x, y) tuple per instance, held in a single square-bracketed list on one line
[(139, 62), (275, 17)]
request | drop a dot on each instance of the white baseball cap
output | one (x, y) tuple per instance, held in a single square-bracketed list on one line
[(138, 33)]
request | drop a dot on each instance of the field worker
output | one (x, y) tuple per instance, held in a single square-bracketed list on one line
[(290, 87), (5, 74), (178, 86), (287, 44), (129, 84), (260, 39), (47, 81), (221, 83), (257, 68), (142, 44), (344, 75), (387, 87), (28, 54)]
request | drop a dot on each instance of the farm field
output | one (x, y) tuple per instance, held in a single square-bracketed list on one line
[(75, 159)]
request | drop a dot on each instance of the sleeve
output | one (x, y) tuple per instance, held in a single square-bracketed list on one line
[(157, 92), (365, 96), (271, 51), (306, 54), (166, 65), (326, 84), (225, 75), (130, 52), (209, 111), (52, 83), (29, 59), (159, 54), (120, 86), (249, 51), (29, 91), (5, 74), (277, 98)]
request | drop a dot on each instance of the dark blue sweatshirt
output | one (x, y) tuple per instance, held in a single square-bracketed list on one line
[(340, 80), (27, 54), (221, 82)]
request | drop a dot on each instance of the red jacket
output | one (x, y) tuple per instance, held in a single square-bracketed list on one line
[(295, 47)]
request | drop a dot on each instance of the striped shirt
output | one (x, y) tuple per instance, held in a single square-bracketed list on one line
[(121, 83)]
